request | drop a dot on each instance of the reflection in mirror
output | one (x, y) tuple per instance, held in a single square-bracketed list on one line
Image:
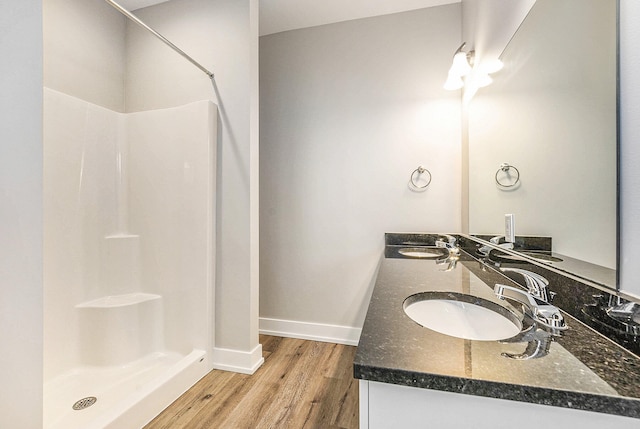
[(551, 113)]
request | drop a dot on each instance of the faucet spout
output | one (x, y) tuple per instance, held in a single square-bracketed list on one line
[(536, 284)]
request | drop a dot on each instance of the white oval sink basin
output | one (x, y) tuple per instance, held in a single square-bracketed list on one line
[(424, 252), (462, 316)]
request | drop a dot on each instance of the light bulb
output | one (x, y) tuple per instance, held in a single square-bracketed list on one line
[(460, 64), (491, 66), (480, 80), (453, 82)]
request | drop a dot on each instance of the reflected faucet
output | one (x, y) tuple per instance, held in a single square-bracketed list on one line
[(538, 344), (542, 312), (484, 250), (448, 242), (623, 310), (496, 240)]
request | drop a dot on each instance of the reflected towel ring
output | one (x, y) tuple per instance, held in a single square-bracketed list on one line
[(505, 167), (420, 170)]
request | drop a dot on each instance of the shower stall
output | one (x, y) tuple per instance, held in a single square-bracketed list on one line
[(129, 206)]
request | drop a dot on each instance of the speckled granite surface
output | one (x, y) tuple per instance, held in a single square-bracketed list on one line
[(539, 248), (582, 370)]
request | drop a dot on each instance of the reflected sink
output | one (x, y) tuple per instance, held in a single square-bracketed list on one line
[(424, 252), (538, 256), (462, 316)]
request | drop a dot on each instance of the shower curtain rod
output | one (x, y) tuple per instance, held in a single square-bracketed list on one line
[(166, 41)]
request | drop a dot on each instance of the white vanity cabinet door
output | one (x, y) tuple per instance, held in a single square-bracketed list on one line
[(388, 406)]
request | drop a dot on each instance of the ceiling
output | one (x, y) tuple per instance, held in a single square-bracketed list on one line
[(283, 15), (138, 4)]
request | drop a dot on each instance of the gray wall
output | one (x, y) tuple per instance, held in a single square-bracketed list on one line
[(348, 111), (21, 214), (84, 51)]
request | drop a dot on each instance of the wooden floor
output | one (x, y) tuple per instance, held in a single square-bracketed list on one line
[(302, 384)]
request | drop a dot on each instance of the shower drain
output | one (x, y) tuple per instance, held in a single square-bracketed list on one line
[(85, 403)]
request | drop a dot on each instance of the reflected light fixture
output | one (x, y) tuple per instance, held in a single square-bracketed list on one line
[(480, 79), (460, 67)]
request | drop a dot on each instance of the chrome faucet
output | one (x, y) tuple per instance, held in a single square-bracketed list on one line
[(541, 311), (536, 284)]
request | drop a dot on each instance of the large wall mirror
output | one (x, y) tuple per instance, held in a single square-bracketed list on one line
[(551, 113)]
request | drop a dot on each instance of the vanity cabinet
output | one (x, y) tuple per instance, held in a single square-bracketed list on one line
[(385, 406), (414, 377)]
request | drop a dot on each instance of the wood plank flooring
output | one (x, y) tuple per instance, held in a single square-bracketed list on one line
[(302, 384)]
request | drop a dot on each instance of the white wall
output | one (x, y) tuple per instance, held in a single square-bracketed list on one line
[(630, 149), (221, 35), (21, 214), (348, 111), (84, 47)]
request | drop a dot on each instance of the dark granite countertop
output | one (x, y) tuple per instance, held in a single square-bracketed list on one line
[(591, 272), (540, 249), (582, 370)]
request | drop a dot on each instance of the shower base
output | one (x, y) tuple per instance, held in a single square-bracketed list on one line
[(127, 396)]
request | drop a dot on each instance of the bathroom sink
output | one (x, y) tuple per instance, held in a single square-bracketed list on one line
[(463, 316), (424, 252)]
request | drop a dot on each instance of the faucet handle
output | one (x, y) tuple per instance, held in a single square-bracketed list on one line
[(542, 312), (551, 317)]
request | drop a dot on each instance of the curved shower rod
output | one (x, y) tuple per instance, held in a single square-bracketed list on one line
[(166, 41)]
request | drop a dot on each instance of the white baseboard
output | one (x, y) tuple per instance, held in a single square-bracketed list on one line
[(310, 331), (236, 360)]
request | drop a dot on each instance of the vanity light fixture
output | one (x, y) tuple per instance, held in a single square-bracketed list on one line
[(460, 67), (476, 75)]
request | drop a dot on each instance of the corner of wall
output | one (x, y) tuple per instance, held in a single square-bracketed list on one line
[(244, 362)]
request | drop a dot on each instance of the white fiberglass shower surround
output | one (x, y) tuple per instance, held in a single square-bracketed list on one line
[(128, 259)]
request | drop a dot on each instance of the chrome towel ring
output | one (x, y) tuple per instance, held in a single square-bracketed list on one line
[(412, 179), (506, 168)]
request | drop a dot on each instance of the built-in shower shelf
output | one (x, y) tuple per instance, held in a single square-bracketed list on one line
[(119, 300), (118, 329)]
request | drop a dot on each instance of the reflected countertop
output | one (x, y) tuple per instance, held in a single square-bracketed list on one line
[(583, 369)]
